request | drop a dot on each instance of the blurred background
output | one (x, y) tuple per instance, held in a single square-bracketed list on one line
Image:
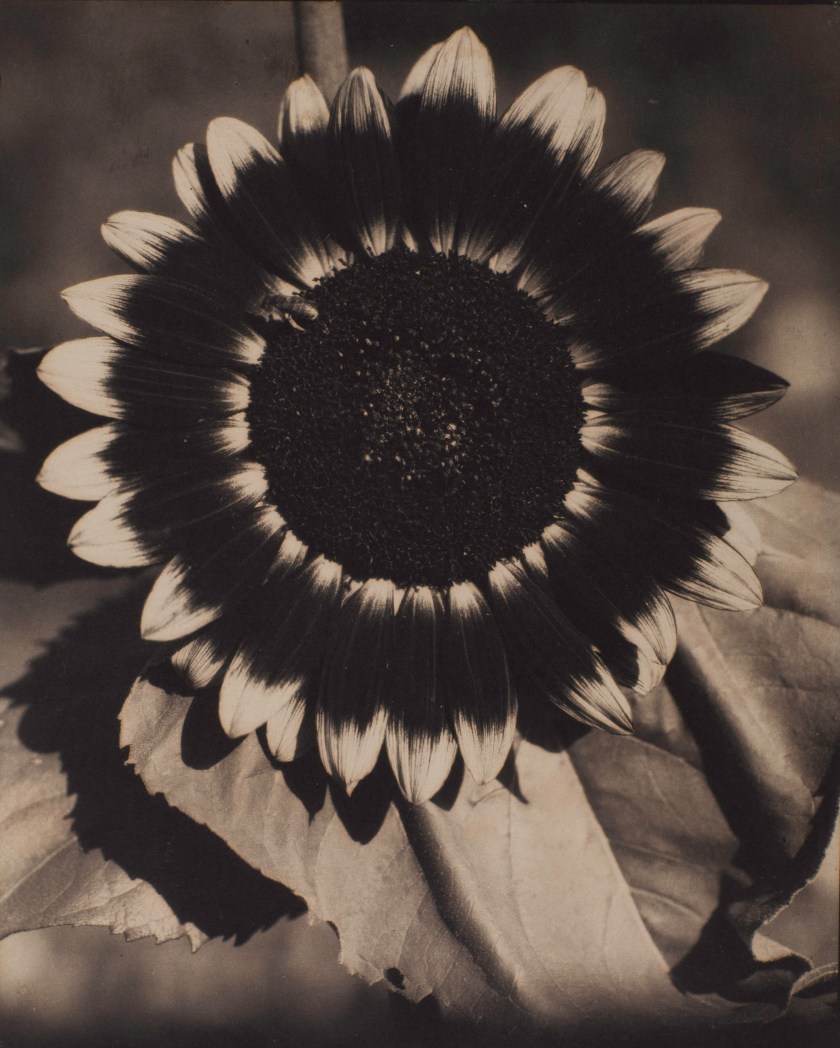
[(97, 97)]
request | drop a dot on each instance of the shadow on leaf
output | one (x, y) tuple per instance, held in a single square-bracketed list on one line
[(73, 695)]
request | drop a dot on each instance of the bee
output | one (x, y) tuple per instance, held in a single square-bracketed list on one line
[(290, 309)]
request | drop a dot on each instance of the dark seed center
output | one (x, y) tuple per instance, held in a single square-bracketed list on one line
[(425, 425)]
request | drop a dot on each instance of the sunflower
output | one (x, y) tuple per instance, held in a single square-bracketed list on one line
[(419, 415)]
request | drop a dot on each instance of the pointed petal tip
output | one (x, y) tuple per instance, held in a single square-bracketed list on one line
[(465, 34), (603, 706), (348, 753), (240, 702), (77, 469), (421, 765), (618, 721), (416, 78), (484, 756), (650, 674), (168, 613), (360, 77)]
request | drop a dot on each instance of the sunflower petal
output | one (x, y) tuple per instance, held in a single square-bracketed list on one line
[(78, 469), (197, 585), (455, 112), (609, 206), (166, 248), (145, 240), (725, 299), (116, 456), (351, 712), (631, 625), (684, 557), (280, 658), (128, 529), (541, 145), (98, 375), (260, 196), (678, 237), (302, 125), (715, 462), (194, 184), (558, 659), (103, 536), (479, 687), (416, 79), (420, 746), (202, 659), (708, 387), (289, 731), (632, 181), (366, 162), (166, 319)]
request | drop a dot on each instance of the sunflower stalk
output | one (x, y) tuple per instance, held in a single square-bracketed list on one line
[(321, 44)]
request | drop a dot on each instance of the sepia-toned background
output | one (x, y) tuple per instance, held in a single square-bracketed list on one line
[(97, 97)]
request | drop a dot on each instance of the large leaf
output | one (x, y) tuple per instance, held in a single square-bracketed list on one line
[(83, 842), (606, 879)]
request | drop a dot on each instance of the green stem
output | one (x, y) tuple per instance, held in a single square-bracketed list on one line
[(321, 45)]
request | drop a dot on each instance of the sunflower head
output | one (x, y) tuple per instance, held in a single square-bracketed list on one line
[(417, 412)]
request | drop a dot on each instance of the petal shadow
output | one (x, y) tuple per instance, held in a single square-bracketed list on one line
[(73, 694)]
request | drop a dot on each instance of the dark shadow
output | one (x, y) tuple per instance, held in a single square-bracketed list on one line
[(763, 852), (448, 793), (305, 777), (364, 811), (74, 693), (203, 742), (720, 961), (544, 724), (509, 778)]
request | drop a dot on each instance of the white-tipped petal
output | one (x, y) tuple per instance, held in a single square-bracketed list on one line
[(560, 661), (175, 321), (416, 79), (632, 180), (714, 462), (726, 298), (481, 697), (172, 610), (421, 763), (78, 371), (678, 237), (723, 579), (449, 118), (350, 752), (246, 702), (104, 536), (260, 195), (552, 108), (188, 183), (101, 304), (286, 732), (143, 238), (590, 133), (200, 661), (76, 469), (303, 112), (351, 713), (100, 376), (366, 159), (485, 748)]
